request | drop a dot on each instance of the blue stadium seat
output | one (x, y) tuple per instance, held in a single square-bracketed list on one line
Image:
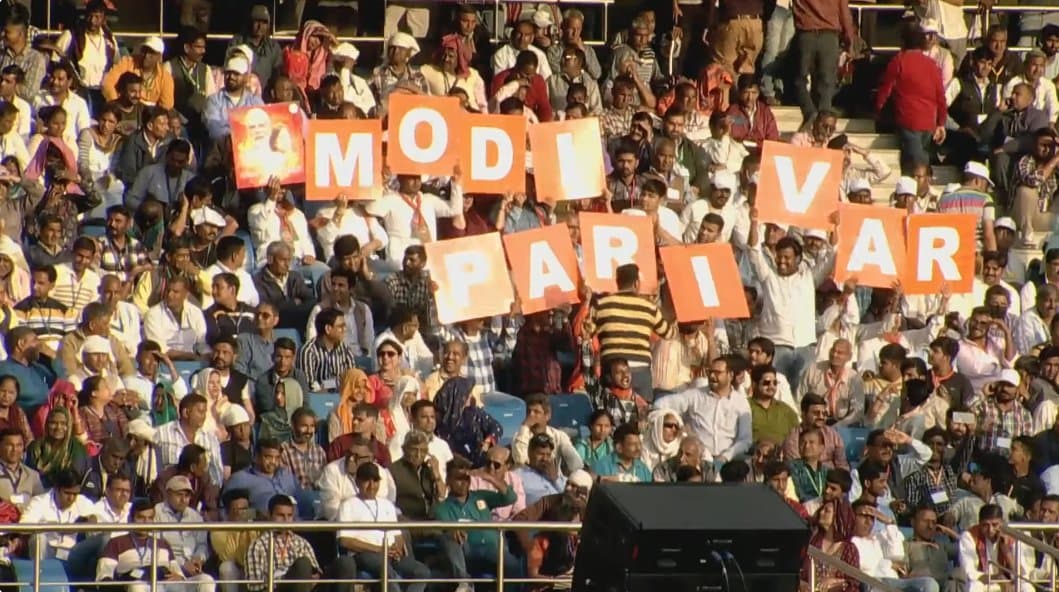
[(906, 531), (855, 440), (251, 254), (187, 368), (292, 334), (52, 571), (509, 411), (322, 404), (94, 230), (570, 413)]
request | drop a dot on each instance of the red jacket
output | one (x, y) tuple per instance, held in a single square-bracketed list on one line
[(913, 81), (762, 127), (536, 96)]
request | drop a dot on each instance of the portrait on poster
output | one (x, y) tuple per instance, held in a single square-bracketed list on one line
[(267, 141)]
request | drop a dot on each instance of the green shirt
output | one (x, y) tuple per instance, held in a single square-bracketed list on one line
[(774, 423), (477, 508)]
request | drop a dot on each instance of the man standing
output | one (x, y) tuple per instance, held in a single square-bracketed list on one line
[(735, 26), (821, 28), (724, 440)]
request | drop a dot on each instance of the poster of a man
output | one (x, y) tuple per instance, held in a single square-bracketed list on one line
[(268, 142)]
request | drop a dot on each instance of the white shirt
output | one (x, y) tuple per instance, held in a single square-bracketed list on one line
[(1031, 330), (355, 509), (170, 439), (42, 509), (980, 367), (1044, 95), (265, 229), (667, 219), (93, 63), (364, 228), (106, 514), (978, 290), (25, 118), (247, 290), (721, 423), (397, 214), (184, 334), (357, 91), (416, 356), (12, 144), (872, 560), (696, 211), (186, 544), (78, 117), (788, 315), (125, 325), (504, 59), (336, 486)]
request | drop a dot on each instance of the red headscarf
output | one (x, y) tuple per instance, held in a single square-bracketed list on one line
[(464, 53)]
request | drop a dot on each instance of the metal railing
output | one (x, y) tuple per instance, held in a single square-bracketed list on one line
[(272, 528), (838, 565)]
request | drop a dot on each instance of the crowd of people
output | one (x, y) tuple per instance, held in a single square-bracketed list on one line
[(168, 337)]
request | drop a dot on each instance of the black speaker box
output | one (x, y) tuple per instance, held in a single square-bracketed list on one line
[(689, 537)]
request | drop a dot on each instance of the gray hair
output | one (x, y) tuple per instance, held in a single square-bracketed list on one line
[(639, 23), (276, 247), (415, 438), (573, 14)]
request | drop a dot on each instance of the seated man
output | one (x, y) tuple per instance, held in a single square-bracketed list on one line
[(189, 547), (980, 543), (624, 464), (475, 549), (1036, 182), (127, 557), (62, 504), (266, 478), (293, 557)]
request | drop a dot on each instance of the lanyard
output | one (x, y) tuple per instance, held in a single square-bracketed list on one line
[(374, 512), (141, 552), (15, 478)]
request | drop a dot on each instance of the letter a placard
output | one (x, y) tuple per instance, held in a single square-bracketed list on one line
[(471, 276), (610, 240), (703, 282), (871, 245), (343, 156), (799, 186), (424, 134), (941, 250), (543, 266)]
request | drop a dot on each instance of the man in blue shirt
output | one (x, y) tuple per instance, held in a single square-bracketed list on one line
[(624, 464), (474, 549), (233, 96), (34, 379), (541, 476), (267, 478)]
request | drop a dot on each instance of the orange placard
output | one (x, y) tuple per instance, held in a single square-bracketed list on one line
[(798, 186), (267, 142), (871, 245), (941, 250), (567, 159), (544, 267), (610, 240), (424, 134), (702, 282), (471, 276), (494, 157), (344, 156)]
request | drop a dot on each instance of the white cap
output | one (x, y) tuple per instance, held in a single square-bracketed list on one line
[(141, 429), (234, 415), (929, 25), (154, 43), (244, 49), (814, 233), (345, 50), (403, 40), (207, 216), (1005, 222), (1009, 376), (543, 19), (724, 180), (906, 186), (951, 187), (977, 169), (859, 184), (581, 478), (95, 344), (237, 64)]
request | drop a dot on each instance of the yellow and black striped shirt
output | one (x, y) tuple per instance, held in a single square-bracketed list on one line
[(624, 323)]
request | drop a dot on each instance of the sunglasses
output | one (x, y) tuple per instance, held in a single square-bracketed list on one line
[(388, 353), (496, 465), (671, 426), (768, 383)]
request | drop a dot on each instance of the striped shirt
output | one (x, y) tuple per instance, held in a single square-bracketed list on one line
[(170, 439), (73, 292), (127, 553), (624, 323), (969, 201), (324, 367), (479, 363), (50, 319)]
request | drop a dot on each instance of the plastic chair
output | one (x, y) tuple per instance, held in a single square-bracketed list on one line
[(52, 572), (509, 411), (570, 413), (186, 369), (250, 265), (855, 439), (291, 334), (322, 405)]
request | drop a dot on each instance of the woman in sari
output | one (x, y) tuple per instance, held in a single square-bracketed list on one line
[(468, 429), (275, 423), (353, 390), (833, 535), (102, 417), (662, 437), (315, 41), (96, 148), (14, 281), (11, 415), (62, 394), (59, 449), (54, 165), (209, 384)]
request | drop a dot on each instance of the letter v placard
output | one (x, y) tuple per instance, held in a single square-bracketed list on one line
[(798, 186)]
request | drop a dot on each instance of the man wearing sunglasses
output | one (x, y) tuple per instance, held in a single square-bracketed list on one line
[(551, 508)]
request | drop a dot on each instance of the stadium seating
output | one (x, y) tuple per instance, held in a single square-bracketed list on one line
[(509, 411), (570, 413), (292, 334), (855, 440), (52, 573)]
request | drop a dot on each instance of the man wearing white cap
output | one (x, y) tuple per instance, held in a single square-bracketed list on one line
[(972, 197), (858, 191), (232, 96), (190, 548), (354, 88), (157, 88), (904, 196), (718, 201), (1002, 417), (396, 70)]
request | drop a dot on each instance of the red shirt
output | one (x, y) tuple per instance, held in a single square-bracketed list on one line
[(536, 96), (913, 81), (762, 127)]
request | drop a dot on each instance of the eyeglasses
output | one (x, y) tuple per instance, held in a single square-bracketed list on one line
[(388, 353), (496, 464)]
